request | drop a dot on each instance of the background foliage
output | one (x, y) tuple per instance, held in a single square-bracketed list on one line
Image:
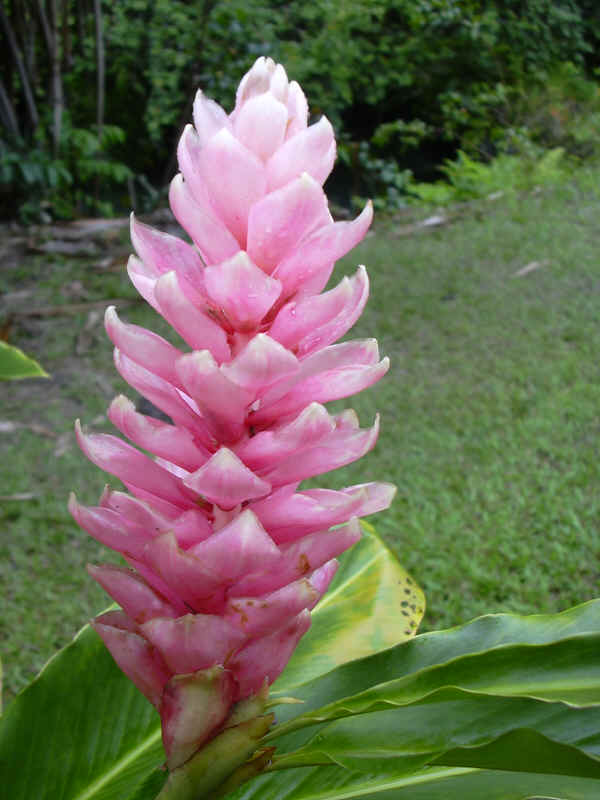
[(489, 415), (90, 86)]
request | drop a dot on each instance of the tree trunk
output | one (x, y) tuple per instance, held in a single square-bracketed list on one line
[(80, 26), (57, 89), (28, 39), (66, 37), (7, 113), (16, 54), (45, 26), (99, 66), (99, 82)]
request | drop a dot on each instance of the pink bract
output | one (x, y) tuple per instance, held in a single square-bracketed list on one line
[(226, 555)]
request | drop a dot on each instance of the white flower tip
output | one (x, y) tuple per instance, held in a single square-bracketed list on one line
[(324, 122), (371, 347), (176, 185), (134, 226), (197, 361), (73, 506), (248, 520), (105, 496), (168, 280), (111, 319), (348, 418), (240, 259), (83, 440), (93, 570), (367, 213), (226, 458), (134, 265), (119, 404), (137, 230), (188, 141), (189, 129), (308, 182), (375, 430), (314, 409)]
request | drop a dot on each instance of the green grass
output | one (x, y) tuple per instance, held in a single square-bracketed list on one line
[(490, 421)]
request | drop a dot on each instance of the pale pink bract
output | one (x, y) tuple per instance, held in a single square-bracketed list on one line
[(227, 557)]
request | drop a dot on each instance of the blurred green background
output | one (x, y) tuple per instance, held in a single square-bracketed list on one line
[(94, 95)]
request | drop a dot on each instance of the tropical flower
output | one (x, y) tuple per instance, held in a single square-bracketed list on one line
[(226, 555)]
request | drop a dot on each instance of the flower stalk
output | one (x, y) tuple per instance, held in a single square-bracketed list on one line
[(226, 555)]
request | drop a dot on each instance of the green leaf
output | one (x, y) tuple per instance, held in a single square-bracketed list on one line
[(431, 783), (14, 364), (452, 745), (93, 736), (449, 719), (372, 604), (481, 739), (525, 750), (79, 731), (567, 670), (495, 642)]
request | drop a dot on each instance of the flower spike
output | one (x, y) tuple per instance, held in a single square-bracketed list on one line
[(226, 555)]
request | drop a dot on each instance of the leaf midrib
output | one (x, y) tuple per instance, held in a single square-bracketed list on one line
[(118, 767)]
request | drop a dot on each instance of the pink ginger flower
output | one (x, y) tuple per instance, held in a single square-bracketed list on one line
[(227, 556)]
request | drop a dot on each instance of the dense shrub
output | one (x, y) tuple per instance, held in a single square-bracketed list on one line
[(406, 83)]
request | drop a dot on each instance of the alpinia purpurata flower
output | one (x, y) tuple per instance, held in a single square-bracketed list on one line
[(227, 556)]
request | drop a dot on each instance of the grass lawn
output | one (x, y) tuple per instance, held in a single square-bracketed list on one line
[(490, 419)]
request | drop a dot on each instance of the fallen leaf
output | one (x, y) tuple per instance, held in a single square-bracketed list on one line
[(8, 298), (533, 265), (432, 222), (88, 332), (86, 228), (65, 248), (7, 426), (63, 444), (425, 224), (40, 429)]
